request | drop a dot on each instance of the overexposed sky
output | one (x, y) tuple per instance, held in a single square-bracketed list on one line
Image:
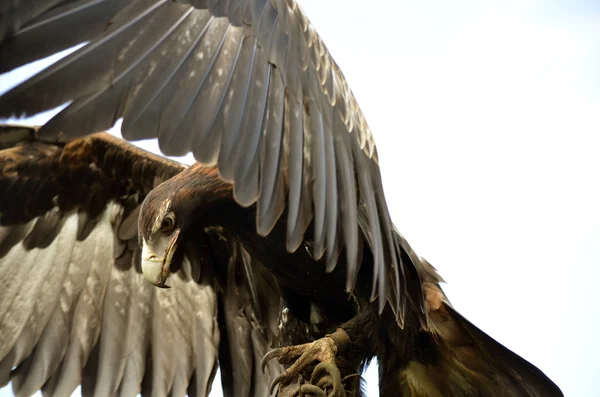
[(487, 120)]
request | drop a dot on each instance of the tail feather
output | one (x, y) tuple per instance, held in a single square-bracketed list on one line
[(457, 359), (463, 361)]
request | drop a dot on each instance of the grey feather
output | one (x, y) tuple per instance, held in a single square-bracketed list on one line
[(80, 311), (177, 116), (45, 230), (13, 282), (87, 320), (206, 143), (164, 332), (205, 338), (128, 228), (265, 26), (52, 345), (246, 261), (238, 333), (348, 205), (12, 235), (135, 63), (271, 198), (373, 234), (138, 343), (97, 69), (138, 64), (69, 24), (85, 225), (319, 175), (142, 116), (235, 12), (26, 316), (245, 153), (331, 216), (294, 132), (389, 274), (114, 335), (230, 114)]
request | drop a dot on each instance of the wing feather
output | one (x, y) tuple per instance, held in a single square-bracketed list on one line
[(40, 310), (319, 175), (136, 62), (87, 318), (138, 343), (235, 12), (97, 307), (163, 333), (199, 77), (69, 24), (142, 115), (21, 288), (370, 226), (298, 195), (129, 23), (205, 339), (271, 200), (331, 216), (207, 140), (72, 312), (238, 334), (245, 153), (176, 118), (251, 309), (115, 332), (49, 351), (348, 204), (230, 114)]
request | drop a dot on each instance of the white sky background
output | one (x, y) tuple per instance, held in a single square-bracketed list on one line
[(487, 120)]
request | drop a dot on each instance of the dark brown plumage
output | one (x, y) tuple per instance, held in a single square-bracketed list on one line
[(286, 219)]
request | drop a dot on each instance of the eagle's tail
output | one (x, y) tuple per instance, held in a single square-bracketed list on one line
[(458, 359)]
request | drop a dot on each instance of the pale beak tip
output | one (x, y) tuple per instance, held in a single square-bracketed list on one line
[(153, 272), (161, 284)]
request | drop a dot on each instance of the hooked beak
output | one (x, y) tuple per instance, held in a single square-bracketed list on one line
[(156, 267)]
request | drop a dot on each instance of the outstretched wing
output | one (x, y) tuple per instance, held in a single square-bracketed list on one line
[(244, 84), (74, 305)]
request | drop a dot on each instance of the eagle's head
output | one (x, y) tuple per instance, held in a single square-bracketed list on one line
[(171, 212), (160, 228)]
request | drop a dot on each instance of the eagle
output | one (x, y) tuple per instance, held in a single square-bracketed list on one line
[(273, 257)]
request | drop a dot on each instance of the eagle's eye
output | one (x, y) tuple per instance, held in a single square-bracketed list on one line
[(168, 223)]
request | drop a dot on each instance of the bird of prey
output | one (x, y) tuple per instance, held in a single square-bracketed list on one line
[(278, 237)]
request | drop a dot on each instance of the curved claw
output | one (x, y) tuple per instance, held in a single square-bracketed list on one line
[(324, 376), (275, 353), (299, 357), (275, 382)]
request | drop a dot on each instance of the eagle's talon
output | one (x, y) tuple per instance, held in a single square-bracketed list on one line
[(285, 355), (268, 357), (300, 357), (325, 376)]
